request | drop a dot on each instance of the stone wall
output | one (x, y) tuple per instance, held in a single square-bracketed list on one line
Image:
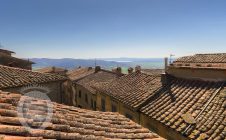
[(198, 73), (69, 93), (54, 90)]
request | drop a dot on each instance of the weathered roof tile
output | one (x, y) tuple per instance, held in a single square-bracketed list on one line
[(15, 77), (191, 107), (67, 122), (132, 89), (215, 60), (100, 78)]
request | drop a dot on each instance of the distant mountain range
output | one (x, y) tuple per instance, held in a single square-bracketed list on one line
[(107, 63)]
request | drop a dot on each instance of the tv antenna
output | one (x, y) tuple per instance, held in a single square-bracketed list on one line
[(171, 56)]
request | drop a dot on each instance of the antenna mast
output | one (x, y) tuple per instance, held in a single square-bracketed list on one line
[(171, 55), (95, 62)]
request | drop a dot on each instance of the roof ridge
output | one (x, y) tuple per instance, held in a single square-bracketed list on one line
[(25, 70), (210, 54)]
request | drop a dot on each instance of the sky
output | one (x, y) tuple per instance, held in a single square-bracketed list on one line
[(112, 28)]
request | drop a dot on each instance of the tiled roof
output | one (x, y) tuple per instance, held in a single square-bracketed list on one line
[(153, 71), (133, 89), (9, 59), (7, 51), (67, 122), (202, 61), (79, 73), (204, 58), (15, 77), (195, 109), (51, 70), (97, 78)]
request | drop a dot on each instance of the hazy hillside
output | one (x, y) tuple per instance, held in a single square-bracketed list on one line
[(106, 63)]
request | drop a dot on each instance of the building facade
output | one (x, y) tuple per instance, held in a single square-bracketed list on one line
[(85, 88), (186, 103), (7, 59), (20, 80), (127, 93)]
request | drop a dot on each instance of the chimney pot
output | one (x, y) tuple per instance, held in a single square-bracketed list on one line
[(138, 69), (97, 68), (130, 70), (54, 69), (117, 70)]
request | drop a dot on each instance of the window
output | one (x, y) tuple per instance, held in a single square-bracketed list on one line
[(113, 108), (103, 104), (86, 98), (91, 103), (94, 105), (79, 93), (129, 116), (152, 127)]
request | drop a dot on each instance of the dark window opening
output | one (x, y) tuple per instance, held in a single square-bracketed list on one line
[(129, 116), (79, 94), (103, 105), (113, 108), (86, 98), (152, 128), (92, 103), (79, 106)]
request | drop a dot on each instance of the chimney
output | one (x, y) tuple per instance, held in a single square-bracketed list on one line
[(165, 79), (130, 70), (117, 70), (97, 68), (138, 69), (166, 64), (90, 68), (54, 69)]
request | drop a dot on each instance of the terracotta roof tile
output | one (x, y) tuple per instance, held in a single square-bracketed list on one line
[(133, 89), (9, 59), (96, 79), (67, 122), (217, 60), (51, 70), (79, 73), (8, 51), (193, 108), (153, 71), (14, 77)]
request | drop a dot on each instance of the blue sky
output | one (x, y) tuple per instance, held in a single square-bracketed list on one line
[(112, 28)]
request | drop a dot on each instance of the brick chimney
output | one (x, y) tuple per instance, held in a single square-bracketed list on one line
[(130, 70), (97, 68), (138, 69)]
